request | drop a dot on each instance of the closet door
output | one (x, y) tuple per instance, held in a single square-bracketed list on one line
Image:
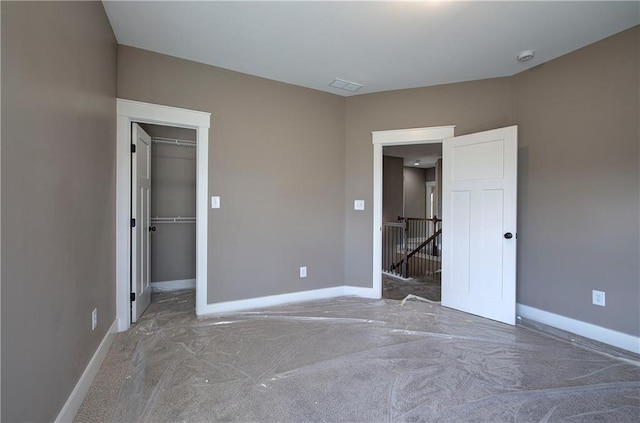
[(141, 217)]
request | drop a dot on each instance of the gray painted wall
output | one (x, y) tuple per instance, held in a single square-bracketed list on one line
[(288, 163), (472, 106), (415, 198), (431, 174), (173, 252), (172, 132), (578, 229), (173, 193), (58, 199), (439, 187), (392, 188), (276, 159)]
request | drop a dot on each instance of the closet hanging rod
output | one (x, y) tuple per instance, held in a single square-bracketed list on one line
[(174, 141), (173, 219)]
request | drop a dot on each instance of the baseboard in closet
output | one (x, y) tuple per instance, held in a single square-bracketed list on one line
[(173, 285)]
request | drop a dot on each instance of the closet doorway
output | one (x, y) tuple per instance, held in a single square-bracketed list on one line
[(168, 230), (131, 112)]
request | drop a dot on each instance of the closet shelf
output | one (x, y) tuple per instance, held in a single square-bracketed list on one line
[(173, 141), (173, 219)]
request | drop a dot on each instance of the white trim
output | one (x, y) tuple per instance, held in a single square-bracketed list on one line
[(397, 277), (202, 218), (123, 230), (173, 285), (294, 297), (588, 330), (413, 135), (71, 407), (134, 111), (358, 291), (380, 139), (160, 114)]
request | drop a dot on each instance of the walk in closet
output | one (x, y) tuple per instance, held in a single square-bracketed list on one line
[(173, 207)]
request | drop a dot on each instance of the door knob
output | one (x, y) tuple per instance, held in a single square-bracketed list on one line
[(508, 235), (152, 228)]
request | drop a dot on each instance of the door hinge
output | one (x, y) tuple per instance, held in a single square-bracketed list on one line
[(133, 148), (133, 223), (132, 297)]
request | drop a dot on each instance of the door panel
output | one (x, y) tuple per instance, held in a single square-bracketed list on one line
[(479, 207), (461, 209), (478, 161), (491, 242), (140, 211)]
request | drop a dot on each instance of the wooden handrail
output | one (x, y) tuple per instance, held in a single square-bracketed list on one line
[(418, 248), (414, 229), (430, 219), (424, 244)]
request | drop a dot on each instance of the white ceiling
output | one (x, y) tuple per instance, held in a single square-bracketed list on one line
[(428, 154), (383, 45)]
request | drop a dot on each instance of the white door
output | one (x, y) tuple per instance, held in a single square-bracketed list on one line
[(141, 213), (479, 178)]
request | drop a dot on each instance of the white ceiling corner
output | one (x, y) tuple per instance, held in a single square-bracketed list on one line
[(382, 45)]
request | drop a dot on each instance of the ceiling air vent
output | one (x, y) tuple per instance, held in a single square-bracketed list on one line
[(345, 85)]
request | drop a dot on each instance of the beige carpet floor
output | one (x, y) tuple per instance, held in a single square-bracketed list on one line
[(352, 360), (398, 289)]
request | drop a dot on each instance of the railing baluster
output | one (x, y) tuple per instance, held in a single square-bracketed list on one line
[(411, 247)]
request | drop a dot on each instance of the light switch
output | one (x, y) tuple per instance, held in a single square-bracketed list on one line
[(358, 204), (215, 202)]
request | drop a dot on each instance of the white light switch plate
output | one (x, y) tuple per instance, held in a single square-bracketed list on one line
[(94, 318), (215, 202), (358, 204)]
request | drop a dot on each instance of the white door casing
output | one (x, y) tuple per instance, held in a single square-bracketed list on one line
[(479, 212), (140, 211), (434, 134), (129, 111)]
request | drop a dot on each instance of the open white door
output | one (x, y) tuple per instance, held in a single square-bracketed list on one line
[(479, 223), (141, 215)]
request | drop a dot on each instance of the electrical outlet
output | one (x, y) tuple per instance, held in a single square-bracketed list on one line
[(303, 272), (598, 297), (94, 319)]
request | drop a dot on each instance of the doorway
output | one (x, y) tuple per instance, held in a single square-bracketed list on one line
[(129, 111), (164, 239), (411, 228), (381, 139), (479, 216)]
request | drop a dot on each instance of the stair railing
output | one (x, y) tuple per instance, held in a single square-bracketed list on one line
[(411, 246)]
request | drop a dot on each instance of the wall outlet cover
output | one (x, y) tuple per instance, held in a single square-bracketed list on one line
[(303, 272), (358, 204), (598, 298)]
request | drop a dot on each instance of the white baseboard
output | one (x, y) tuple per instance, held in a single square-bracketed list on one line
[(294, 297), (588, 330), (173, 285), (357, 291), (398, 277), (71, 407)]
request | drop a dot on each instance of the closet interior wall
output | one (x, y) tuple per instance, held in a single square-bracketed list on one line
[(173, 194)]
